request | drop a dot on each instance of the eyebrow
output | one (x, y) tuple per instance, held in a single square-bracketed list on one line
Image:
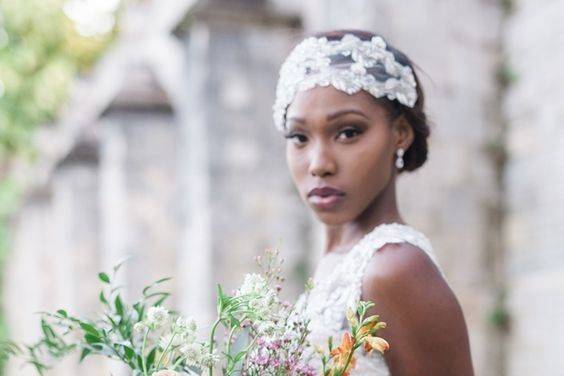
[(336, 114), (333, 115)]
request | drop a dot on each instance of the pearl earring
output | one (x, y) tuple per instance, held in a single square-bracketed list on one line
[(399, 160)]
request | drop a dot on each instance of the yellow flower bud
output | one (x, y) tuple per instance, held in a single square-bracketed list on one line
[(351, 317)]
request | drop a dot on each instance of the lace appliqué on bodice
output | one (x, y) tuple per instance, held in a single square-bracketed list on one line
[(332, 294)]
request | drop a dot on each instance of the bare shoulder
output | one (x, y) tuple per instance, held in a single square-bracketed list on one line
[(425, 323)]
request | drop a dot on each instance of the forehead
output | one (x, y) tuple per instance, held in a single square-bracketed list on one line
[(322, 100)]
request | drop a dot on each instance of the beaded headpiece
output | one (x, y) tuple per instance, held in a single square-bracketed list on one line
[(350, 65)]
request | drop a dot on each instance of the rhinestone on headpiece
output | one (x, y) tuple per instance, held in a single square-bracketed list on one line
[(350, 65)]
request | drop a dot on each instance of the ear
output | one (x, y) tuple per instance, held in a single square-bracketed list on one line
[(404, 133)]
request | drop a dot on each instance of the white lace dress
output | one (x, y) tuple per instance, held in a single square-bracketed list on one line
[(339, 289)]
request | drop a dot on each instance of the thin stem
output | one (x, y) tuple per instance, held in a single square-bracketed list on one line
[(143, 360), (349, 359), (165, 351), (180, 359), (246, 350), (212, 339), (228, 350), (230, 338)]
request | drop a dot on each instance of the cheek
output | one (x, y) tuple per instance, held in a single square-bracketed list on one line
[(372, 167), (295, 164)]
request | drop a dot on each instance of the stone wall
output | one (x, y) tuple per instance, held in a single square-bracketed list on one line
[(252, 202), (534, 180)]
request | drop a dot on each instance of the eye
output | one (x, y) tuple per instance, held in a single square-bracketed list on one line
[(349, 133), (297, 138)]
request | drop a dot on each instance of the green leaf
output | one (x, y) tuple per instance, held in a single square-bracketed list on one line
[(84, 353), (97, 346), (63, 313), (90, 329), (116, 288), (161, 300), (161, 294), (140, 309), (120, 263), (102, 298), (119, 305), (220, 299), (157, 282), (48, 332), (140, 361), (39, 367), (104, 277), (129, 352), (112, 321), (92, 339), (151, 357)]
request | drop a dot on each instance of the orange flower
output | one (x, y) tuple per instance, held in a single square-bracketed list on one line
[(341, 354), (378, 343), (370, 324), (370, 341)]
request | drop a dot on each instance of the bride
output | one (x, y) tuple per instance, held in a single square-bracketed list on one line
[(352, 111)]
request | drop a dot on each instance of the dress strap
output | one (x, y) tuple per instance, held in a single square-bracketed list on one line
[(376, 239)]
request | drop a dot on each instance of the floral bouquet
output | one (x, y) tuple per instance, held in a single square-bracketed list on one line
[(263, 335)]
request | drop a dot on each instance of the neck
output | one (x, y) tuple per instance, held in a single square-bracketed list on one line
[(341, 238)]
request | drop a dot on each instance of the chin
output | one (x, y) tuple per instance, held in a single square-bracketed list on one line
[(331, 218)]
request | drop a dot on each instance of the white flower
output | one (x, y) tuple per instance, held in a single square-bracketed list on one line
[(209, 359), (185, 329), (157, 317), (269, 328), (260, 299), (193, 352), (139, 327), (253, 284), (165, 372)]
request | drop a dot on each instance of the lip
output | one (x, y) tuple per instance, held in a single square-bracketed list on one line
[(325, 197)]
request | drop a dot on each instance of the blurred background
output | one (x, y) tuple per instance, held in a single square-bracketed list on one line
[(144, 128)]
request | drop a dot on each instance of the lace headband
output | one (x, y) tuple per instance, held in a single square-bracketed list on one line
[(349, 64)]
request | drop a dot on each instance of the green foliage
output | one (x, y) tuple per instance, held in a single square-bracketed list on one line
[(498, 316), (505, 75), (40, 54), (112, 335), (9, 197), (148, 338), (507, 6)]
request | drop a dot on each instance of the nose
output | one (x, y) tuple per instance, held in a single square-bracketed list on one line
[(322, 162)]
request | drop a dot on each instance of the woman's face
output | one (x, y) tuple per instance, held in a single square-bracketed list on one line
[(343, 142)]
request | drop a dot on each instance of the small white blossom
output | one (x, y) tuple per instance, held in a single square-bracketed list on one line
[(186, 329), (253, 284), (210, 359), (261, 299), (157, 317), (193, 352), (139, 327), (165, 372)]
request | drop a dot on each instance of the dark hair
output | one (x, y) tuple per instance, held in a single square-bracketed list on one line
[(416, 155)]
